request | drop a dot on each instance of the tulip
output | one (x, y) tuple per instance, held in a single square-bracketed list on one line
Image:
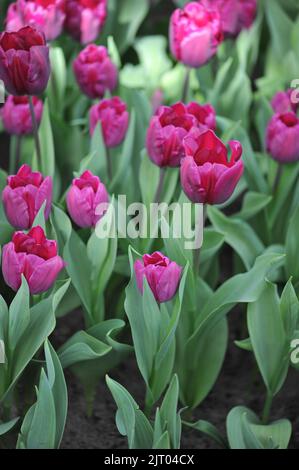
[(162, 274), (16, 116), (114, 119), (170, 126), (195, 34), (24, 62), (83, 199), (282, 137), (207, 176), (95, 72), (45, 15), (33, 256), (235, 14), (85, 19), (24, 195), (284, 101)]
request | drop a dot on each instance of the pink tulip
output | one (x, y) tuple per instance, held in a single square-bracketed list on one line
[(24, 62), (114, 119), (24, 195), (85, 19), (33, 256), (83, 199), (162, 274), (16, 116), (207, 176), (235, 14), (285, 101), (95, 72), (282, 137), (170, 126), (195, 34), (45, 15)]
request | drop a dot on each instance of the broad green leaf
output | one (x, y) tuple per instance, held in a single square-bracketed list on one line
[(59, 390), (268, 337), (19, 315), (46, 145), (292, 265), (131, 421), (208, 429), (238, 234)]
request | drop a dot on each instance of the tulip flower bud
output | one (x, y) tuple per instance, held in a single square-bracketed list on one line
[(16, 116), (24, 62), (85, 19), (284, 101), (195, 34), (235, 14), (207, 176), (170, 126), (282, 137), (24, 195), (83, 198), (45, 15), (95, 72), (114, 119), (34, 256), (162, 274)]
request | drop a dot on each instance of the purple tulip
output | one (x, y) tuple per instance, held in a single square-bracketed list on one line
[(45, 15), (114, 119), (282, 137), (16, 116), (24, 62), (83, 199), (207, 176), (85, 19), (162, 274), (95, 72), (170, 126), (285, 101), (195, 34), (24, 195), (33, 256), (235, 14)]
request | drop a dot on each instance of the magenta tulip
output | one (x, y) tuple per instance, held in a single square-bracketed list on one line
[(207, 175), (24, 62), (33, 256), (24, 195), (285, 101), (195, 34), (162, 274), (114, 119), (85, 19), (45, 15), (170, 126), (95, 72), (84, 197), (282, 137), (235, 15), (16, 115)]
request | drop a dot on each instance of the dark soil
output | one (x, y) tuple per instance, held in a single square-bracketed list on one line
[(238, 384)]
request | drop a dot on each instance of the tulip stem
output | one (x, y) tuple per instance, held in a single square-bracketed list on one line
[(109, 164), (186, 86), (197, 251), (277, 178), (159, 191), (18, 152), (267, 408), (35, 133)]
